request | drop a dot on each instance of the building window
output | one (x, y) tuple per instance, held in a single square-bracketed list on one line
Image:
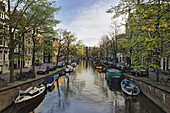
[(29, 51), (0, 14), (5, 43), (46, 59), (1, 42), (29, 61), (25, 50), (6, 57), (46, 54), (29, 41), (1, 56)]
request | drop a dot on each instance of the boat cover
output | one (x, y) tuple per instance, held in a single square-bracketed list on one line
[(48, 80), (57, 75)]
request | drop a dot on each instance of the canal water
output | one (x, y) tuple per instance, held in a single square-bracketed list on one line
[(86, 91)]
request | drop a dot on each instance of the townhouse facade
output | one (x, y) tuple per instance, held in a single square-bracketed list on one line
[(4, 51)]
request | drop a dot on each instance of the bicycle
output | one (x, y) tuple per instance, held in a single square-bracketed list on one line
[(165, 80), (2, 82)]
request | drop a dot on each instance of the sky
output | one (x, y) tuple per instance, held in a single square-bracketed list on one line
[(86, 18)]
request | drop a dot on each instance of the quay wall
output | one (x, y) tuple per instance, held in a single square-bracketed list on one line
[(8, 96), (159, 96), (9, 93)]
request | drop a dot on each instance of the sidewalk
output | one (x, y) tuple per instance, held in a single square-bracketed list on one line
[(152, 75), (6, 76)]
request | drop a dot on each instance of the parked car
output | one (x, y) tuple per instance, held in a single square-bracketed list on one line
[(123, 68), (63, 63), (139, 72), (60, 64), (37, 64), (111, 65), (43, 70), (52, 67)]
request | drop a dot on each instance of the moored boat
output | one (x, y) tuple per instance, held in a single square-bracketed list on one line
[(48, 82), (99, 66), (113, 75), (74, 65), (56, 76), (68, 68), (29, 96), (129, 87)]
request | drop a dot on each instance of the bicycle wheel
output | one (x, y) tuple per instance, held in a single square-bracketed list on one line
[(1, 83), (168, 83), (161, 80)]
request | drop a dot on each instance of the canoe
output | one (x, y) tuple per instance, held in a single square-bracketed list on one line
[(129, 87)]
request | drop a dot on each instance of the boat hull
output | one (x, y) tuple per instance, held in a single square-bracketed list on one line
[(129, 88), (22, 104), (117, 80)]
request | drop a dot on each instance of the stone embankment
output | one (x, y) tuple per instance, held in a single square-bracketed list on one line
[(11, 91), (158, 93)]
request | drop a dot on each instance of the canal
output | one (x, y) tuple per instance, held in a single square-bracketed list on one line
[(86, 91)]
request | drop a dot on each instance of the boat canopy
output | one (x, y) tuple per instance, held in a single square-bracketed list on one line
[(48, 80), (114, 72)]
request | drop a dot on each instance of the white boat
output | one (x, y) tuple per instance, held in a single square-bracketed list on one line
[(129, 87), (68, 68), (29, 96)]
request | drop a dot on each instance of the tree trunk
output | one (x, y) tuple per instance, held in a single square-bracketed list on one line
[(68, 51), (58, 54), (33, 53), (11, 64)]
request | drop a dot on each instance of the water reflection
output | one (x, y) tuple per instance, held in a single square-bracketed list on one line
[(86, 91)]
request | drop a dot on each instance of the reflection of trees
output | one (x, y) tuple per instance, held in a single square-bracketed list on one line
[(69, 89), (110, 92), (80, 67)]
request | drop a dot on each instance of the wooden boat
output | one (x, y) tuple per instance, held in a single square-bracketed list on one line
[(48, 82), (113, 75), (29, 96), (129, 87)]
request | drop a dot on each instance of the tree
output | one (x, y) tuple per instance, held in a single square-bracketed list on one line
[(60, 38), (105, 46), (68, 38), (146, 30), (43, 24), (19, 22)]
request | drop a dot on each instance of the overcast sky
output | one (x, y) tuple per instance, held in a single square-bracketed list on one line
[(87, 18)]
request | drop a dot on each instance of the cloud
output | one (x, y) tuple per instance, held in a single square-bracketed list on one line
[(91, 22)]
